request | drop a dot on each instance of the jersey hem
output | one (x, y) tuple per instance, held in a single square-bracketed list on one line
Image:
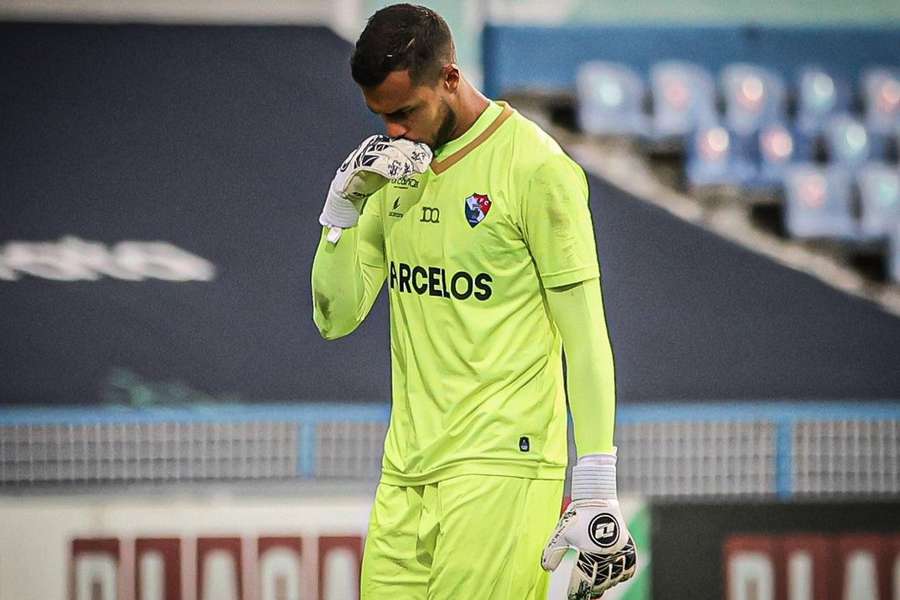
[(570, 276), (481, 467)]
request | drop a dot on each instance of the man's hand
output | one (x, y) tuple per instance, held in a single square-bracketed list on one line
[(594, 526), (377, 160)]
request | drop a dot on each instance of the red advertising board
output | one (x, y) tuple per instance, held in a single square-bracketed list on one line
[(812, 567)]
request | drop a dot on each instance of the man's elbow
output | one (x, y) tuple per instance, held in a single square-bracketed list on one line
[(327, 329), (330, 329)]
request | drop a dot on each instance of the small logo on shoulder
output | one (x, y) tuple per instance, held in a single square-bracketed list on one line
[(395, 209), (524, 444)]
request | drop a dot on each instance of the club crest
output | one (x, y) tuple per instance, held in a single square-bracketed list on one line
[(477, 208)]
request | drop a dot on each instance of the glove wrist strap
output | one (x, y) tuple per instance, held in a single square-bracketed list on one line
[(594, 477), (338, 211)]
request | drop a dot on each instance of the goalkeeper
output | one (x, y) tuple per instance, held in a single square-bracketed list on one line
[(478, 224)]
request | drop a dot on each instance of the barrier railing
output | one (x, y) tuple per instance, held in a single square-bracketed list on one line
[(681, 450)]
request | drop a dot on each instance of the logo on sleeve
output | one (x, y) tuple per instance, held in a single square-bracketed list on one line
[(477, 208)]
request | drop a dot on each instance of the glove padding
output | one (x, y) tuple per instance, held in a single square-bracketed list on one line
[(606, 554), (377, 160)]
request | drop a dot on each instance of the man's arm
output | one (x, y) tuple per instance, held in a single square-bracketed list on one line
[(349, 269), (577, 310), (557, 226), (347, 276)]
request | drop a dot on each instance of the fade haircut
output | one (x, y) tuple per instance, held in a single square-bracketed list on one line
[(400, 37)]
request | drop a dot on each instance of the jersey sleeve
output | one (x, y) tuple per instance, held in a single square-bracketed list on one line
[(556, 223), (347, 276)]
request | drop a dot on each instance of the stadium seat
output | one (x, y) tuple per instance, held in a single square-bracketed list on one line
[(684, 98), (819, 97), (847, 142), (712, 160), (879, 197), (881, 107), (610, 100), (818, 203), (754, 97), (881, 99), (776, 151)]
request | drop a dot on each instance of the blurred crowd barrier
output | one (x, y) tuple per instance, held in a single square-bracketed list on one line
[(747, 450)]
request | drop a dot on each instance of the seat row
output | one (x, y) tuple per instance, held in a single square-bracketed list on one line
[(684, 97), (829, 149)]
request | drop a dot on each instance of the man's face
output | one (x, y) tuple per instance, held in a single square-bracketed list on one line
[(420, 113)]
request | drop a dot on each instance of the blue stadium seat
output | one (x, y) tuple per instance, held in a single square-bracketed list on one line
[(818, 203), (819, 97), (776, 151), (847, 142), (881, 99), (880, 89), (754, 97), (712, 160), (610, 100), (879, 197), (684, 99)]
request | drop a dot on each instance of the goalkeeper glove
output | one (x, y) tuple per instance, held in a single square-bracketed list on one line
[(368, 168), (594, 526)]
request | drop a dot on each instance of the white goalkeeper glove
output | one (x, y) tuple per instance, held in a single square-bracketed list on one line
[(368, 168), (594, 526)]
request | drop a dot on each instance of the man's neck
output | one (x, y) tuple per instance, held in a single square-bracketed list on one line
[(472, 104)]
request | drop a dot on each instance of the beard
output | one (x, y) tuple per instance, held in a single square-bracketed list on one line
[(445, 130)]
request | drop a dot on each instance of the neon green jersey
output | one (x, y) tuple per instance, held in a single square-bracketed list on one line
[(466, 251)]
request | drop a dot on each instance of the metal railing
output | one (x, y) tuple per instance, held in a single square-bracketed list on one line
[(666, 450)]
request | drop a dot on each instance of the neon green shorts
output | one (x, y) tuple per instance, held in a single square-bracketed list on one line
[(477, 537)]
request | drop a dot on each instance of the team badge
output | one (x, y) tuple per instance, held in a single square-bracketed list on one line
[(477, 208)]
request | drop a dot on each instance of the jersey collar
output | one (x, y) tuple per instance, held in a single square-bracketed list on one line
[(486, 124)]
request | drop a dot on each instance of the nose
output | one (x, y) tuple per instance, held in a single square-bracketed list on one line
[(396, 130)]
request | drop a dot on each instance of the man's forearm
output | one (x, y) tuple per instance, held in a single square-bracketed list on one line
[(343, 288), (578, 312)]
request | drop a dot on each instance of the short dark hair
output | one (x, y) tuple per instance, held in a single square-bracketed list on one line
[(400, 37)]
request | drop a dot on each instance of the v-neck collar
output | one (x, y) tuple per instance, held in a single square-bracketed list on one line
[(487, 122)]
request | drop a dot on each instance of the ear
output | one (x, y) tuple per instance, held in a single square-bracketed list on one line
[(450, 77)]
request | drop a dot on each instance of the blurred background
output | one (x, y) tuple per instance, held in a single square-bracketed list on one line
[(173, 427)]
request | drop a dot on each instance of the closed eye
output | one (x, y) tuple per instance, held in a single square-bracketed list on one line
[(399, 115)]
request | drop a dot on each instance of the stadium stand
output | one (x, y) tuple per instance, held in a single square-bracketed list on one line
[(781, 109), (231, 171)]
